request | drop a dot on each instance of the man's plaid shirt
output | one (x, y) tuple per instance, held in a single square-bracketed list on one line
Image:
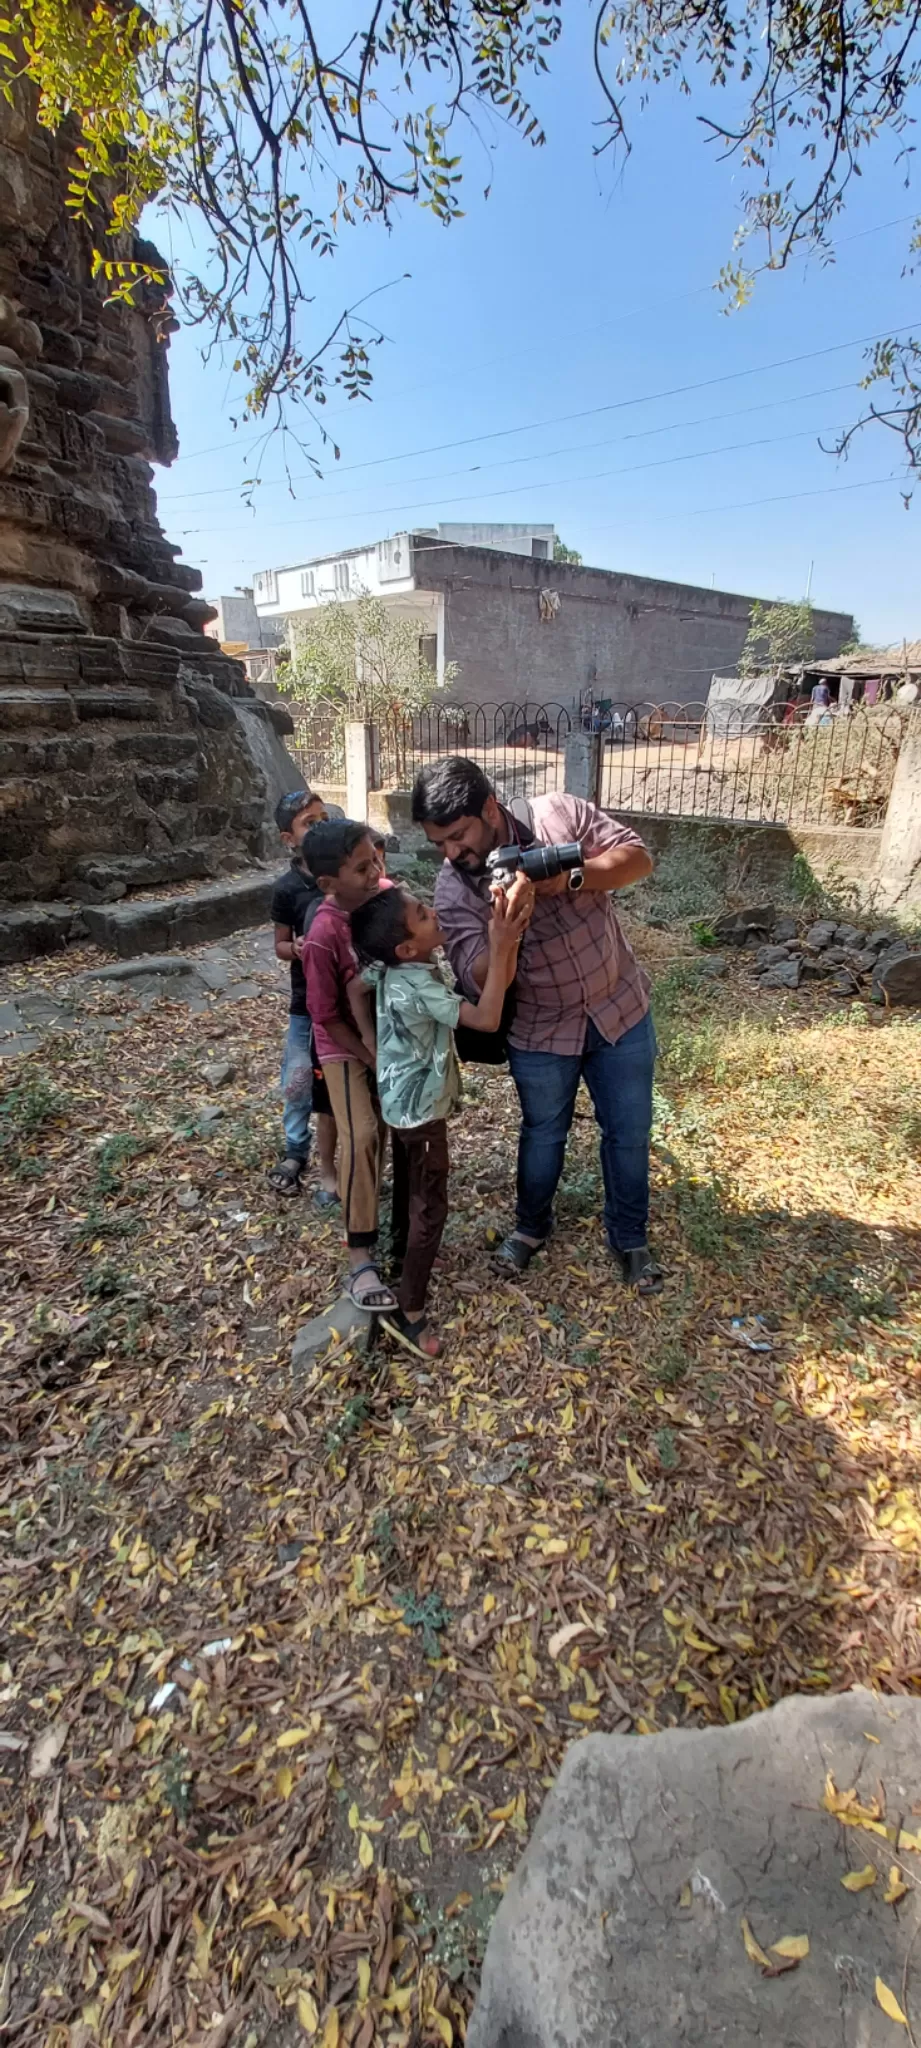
[(575, 962)]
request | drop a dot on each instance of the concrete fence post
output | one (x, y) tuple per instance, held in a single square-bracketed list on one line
[(361, 756), (582, 766), (898, 876)]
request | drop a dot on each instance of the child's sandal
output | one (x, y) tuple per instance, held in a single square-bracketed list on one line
[(417, 1337), (378, 1300)]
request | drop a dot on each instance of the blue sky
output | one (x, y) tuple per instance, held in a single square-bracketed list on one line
[(574, 290)]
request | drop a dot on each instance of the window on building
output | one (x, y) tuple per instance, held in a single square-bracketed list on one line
[(308, 583), (428, 650), (540, 549), (341, 579), (265, 586)]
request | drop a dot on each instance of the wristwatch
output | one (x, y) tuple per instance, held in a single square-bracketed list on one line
[(576, 879)]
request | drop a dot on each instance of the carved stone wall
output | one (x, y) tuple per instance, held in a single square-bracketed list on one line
[(132, 751)]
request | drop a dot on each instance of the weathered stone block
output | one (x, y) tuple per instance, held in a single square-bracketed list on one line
[(161, 749), (167, 786), (210, 913), (38, 928), (134, 704), (37, 707), (210, 706), (623, 1925), (26, 609)]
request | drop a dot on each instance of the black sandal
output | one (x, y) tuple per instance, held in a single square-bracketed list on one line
[(285, 1178), (513, 1254), (642, 1271), (411, 1334)]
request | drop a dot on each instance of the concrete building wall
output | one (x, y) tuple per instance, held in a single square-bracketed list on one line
[(630, 638)]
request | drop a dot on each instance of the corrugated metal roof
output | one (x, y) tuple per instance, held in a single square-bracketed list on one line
[(873, 661)]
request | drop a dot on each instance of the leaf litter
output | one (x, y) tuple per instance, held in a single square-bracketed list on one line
[(374, 1603)]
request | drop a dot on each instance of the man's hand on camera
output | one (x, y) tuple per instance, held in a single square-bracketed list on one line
[(557, 885), (519, 899)]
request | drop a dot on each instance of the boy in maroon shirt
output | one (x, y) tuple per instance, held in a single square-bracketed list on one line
[(342, 859)]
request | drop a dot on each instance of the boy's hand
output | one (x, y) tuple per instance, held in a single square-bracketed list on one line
[(508, 923), (297, 948)]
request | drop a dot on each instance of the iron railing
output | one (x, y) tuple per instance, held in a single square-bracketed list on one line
[(794, 769), (521, 747), (318, 744)]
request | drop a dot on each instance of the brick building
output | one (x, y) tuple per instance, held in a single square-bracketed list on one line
[(521, 626)]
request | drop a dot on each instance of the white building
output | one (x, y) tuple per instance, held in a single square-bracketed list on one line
[(387, 569)]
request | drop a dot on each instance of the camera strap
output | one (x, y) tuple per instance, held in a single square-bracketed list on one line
[(490, 1048)]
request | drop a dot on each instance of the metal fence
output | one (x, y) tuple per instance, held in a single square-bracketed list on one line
[(521, 747), (318, 745), (838, 770), (789, 769)]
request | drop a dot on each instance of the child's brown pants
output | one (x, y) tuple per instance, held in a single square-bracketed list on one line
[(360, 1131), (420, 1205)]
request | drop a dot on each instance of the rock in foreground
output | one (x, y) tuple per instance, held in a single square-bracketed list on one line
[(595, 1947)]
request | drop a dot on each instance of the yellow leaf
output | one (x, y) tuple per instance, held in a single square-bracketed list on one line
[(307, 2012), (557, 1547), (424, 1842), (897, 1886), (795, 1946), (858, 1880), (753, 1949), (580, 1713), (908, 1841), (353, 1814), (489, 1601), (331, 2029), (365, 1852), (291, 1738), (890, 2004), (635, 1483), (436, 2023), (11, 1899), (284, 1782), (364, 1979), (685, 1896)]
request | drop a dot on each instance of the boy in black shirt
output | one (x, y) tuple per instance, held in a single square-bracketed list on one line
[(294, 903)]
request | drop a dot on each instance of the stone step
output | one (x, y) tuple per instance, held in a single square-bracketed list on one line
[(129, 929)]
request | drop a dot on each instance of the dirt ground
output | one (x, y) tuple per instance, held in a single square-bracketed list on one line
[(287, 1664)]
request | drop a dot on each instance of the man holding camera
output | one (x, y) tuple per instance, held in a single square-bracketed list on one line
[(581, 1002)]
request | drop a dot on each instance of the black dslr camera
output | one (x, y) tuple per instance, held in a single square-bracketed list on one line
[(539, 863)]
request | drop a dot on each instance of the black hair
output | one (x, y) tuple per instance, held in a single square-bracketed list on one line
[(330, 843), (445, 790), (379, 927), (290, 807)]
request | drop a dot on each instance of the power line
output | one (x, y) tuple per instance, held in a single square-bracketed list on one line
[(617, 320), (560, 419), (555, 483), (573, 448)]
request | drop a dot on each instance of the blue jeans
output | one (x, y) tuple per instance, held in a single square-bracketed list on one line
[(619, 1080), (297, 1089)]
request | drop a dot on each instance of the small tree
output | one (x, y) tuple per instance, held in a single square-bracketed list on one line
[(360, 661), (561, 553), (780, 636)]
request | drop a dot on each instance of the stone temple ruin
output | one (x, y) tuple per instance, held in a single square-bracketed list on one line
[(132, 751)]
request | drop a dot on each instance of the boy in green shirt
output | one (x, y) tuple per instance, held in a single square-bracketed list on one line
[(397, 936)]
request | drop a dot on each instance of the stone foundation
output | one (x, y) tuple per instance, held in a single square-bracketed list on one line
[(132, 751)]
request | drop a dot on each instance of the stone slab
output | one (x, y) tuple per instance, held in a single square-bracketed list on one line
[(594, 1947), (34, 928), (341, 1321), (900, 980), (212, 912)]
